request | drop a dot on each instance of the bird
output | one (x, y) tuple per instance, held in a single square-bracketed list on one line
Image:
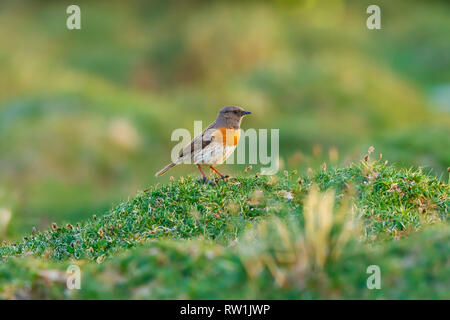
[(215, 144)]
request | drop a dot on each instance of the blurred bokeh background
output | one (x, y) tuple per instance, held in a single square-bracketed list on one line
[(86, 115)]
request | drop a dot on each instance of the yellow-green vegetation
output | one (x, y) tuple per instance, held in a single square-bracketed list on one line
[(86, 115), (415, 268), (86, 118), (283, 236)]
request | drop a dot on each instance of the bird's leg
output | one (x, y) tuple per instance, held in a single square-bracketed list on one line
[(217, 171), (201, 171), (205, 179)]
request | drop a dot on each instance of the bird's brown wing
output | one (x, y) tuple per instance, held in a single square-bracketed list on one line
[(199, 142)]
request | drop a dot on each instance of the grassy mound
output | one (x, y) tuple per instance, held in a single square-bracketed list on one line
[(250, 237), (415, 268), (86, 119), (392, 203)]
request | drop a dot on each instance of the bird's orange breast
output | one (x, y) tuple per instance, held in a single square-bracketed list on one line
[(228, 136)]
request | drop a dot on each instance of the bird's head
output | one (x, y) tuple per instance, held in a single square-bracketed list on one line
[(232, 116)]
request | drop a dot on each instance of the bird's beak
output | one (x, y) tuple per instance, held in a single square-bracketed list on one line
[(246, 112)]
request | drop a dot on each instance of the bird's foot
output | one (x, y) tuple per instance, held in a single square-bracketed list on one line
[(222, 178), (206, 180)]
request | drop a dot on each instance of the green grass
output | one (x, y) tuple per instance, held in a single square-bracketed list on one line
[(250, 237), (86, 116), (267, 262), (416, 267), (391, 201)]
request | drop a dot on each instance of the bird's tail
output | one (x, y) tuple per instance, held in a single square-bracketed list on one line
[(165, 169)]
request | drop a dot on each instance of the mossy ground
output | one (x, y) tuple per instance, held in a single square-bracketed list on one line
[(191, 240)]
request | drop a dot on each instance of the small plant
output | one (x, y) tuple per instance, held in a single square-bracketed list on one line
[(292, 250)]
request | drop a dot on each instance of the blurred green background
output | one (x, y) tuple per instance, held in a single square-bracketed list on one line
[(86, 115)]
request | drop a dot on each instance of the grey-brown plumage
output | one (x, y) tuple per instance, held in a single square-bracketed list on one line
[(212, 146)]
